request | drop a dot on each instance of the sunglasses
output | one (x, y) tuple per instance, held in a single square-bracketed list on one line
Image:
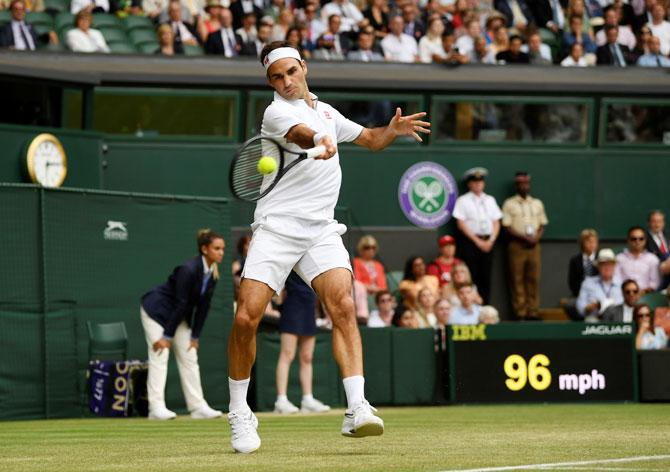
[(384, 300), (628, 292), (637, 239), (644, 315)]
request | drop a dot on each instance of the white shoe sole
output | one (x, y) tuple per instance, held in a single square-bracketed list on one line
[(156, 418), (308, 411), (248, 451), (367, 429)]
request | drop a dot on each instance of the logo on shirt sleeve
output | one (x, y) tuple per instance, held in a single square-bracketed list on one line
[(327, 115)]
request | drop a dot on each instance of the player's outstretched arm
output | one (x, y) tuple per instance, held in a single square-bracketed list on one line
[(303, 136), (377, 139)]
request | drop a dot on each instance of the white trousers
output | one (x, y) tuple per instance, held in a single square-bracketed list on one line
[(187, 362)]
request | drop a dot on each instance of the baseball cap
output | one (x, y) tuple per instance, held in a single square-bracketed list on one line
[(446, 239), (606, 255)]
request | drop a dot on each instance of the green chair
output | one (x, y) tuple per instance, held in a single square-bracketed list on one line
[(5, 16), (113, 35), (121, 48), (133, 22), (105, 20), (393, 280), (63, 20), (193, 50), (40, 19), (57, 6), (148, 47), (654, 300), (107, 341), (139, 36)]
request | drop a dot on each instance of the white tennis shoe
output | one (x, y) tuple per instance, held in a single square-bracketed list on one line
[(206, 413), (162, 414), (313, 405), (360, 421), (285, 407), (244, 437)]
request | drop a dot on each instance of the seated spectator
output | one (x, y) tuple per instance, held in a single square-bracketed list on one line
[(294, 38), (460, 275), (583, 264), (466, 43), (166, 43), (351, 17), (83, 38), (660, 27), (241, 8), (443, 264), (642, 42), (255, 47), (468, 311), (430, 46), (539, 53), (398, 46), (577, 35), (494, 22), (517, 14), (284, 22), (184, 33), (657, 242), (415, 278), (481, 54), (613, 53), (625, 35), (406, 318), (364, 52), (662, 315), (224, 42), (19, 35), (647, 335), (367, 269), (452, 54), (654, 58), (273, 10), (513, 55), (548, 14), (462, 10), (414, 27), (383, 315), (623, 312), (442, 309), (377, 15), (575, 58), (30, 5), (577, 8), (332, 45), (425, 304), (211, 23), (599, 292), (489, 315), (314, 27), (247, 32), (636, 263), (500, 41), (91, 6)]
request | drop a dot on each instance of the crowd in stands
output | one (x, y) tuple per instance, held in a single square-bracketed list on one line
[(572, 33)]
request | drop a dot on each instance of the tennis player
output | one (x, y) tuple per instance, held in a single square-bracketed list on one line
[(294, 229)]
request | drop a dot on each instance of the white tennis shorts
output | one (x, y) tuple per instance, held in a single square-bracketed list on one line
[(282, 244)]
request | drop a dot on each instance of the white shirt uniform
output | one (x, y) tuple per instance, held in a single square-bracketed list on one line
[(401, 48), (478, 213)]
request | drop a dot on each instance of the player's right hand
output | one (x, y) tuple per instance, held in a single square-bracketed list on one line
[(331, 149)]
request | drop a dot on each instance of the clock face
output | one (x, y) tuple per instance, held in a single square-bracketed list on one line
[(47, 164)]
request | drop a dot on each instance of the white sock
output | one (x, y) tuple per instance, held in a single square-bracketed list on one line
[(282, 398), (238, 394), (308, 398), (354, 387)]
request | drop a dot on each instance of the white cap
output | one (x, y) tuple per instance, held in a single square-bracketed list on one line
[(280, 53), (606, 255)]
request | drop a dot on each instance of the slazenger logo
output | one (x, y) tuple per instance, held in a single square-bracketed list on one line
[(427, 194), (116, 231), (604, 330)]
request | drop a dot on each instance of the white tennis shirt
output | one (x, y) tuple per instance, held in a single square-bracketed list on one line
[(310, 189)]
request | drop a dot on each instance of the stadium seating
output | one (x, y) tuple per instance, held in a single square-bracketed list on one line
[(5, 16), (105, 20), (62, 21), (138, 22), (122, 48), (114, 35), (148, 48), (654, 299), (57, 6), (193, 50), (393, 280), (107, 341)]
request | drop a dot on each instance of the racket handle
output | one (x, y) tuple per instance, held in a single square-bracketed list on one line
[(315, 151)]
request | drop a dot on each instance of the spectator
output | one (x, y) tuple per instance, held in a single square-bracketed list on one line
[(514, 55), (383, 315), (577, 35), (430, 46), (460, 13), (613, 53), (460, 275), (255, 47), (241, 8), (351, 17), (637, 263), (285, 20), (599, 292), (583, 265), (662, 314), (443, 264), (91, 6), (166, 44), (247, 32), (377, 15), (642, 44), (654, 58), (660, 27), (83, 38), (442, 309), (516, 12), (163, 11), (647, 335), (364, 52), (524, 219), (30, 5), (314, 27), (494, 22), (406, 318), (369, 271), (623, 312), (414, 27), (500, 41), (489, 315), (452, 54), (224, 42), (577, 8), (332, 45), (539, 54), (397, 46), (466, 43), (297, 324), (415, 278), (425, 304), (576, 57), (468, 311), (272, 11), (212, 23), (294, 38), (548, 14), (478, 219), (19, 35), (481, 54), (657, 242), (625, 36), (184, 33)]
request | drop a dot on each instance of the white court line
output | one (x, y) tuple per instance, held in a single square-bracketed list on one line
[(609, 469), (564, 464)]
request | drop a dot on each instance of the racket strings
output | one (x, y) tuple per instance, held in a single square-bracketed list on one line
[(247, 182)]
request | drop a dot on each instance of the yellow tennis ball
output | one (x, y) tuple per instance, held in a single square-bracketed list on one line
[(266, 165)]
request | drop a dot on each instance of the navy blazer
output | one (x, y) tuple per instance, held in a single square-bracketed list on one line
[(175, 301), (7, 35), (503, 7), (576, 273)]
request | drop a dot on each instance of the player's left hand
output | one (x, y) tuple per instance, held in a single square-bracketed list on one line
[(409, 125)]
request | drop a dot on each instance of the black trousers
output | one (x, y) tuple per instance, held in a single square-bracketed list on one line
[(479, 263)]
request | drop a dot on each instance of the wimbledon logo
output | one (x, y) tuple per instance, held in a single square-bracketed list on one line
[(427, 194)]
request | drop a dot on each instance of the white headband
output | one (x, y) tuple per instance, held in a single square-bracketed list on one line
[(280, 53)]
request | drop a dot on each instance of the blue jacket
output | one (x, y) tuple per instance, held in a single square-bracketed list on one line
[(175, 301)]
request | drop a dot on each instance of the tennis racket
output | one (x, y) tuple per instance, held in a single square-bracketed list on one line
[(247, 182)]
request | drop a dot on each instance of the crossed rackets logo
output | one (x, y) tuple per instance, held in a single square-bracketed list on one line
[(428, 194)]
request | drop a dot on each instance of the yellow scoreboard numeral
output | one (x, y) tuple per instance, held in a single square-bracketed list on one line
[(519, 373)]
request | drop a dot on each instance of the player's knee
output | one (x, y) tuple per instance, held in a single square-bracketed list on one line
[(244, 321)]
